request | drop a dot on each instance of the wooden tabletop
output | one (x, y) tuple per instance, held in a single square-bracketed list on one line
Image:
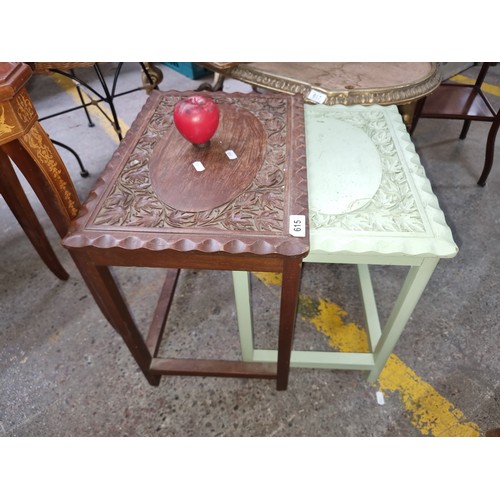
[(369, 194), (13, 77), (151, 196)]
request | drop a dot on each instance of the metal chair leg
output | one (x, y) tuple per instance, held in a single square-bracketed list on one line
[(83, 171)]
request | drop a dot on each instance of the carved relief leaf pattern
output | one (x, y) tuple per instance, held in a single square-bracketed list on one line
[(260, 207), (393, 206)]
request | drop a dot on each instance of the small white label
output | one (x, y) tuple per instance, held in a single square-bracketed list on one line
[(380, 398), (298, 225), (316, 96), (231, 154), (198, 166)]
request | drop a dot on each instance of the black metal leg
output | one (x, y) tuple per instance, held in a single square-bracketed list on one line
[(109, 99), (80, 95), (152, 77), (83, 172)]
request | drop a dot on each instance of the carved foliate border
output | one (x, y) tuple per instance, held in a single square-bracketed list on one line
[(133, 202), (393, 206), (85, 233), (425, 234)]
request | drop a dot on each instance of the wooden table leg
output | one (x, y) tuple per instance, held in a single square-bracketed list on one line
[(13, 193), (38, 160), (112, 304), (288, 311), (290, 285)]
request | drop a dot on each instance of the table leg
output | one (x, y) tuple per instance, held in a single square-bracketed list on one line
[(216, 85), (241, 284), (16, 199), (292, 269), (37, 158), (413, 287), (407, 112), (288, 311), (112, 304)]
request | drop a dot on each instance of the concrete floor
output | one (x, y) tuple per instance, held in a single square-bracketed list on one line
[(65, 372)]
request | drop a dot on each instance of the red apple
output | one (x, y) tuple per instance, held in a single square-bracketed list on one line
[(197, 119)]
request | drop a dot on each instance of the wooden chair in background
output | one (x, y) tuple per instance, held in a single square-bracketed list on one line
[(468, 102)]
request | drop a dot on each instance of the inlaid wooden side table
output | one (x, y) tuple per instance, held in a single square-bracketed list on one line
[(24, 141), (238, 204), (370, 203)]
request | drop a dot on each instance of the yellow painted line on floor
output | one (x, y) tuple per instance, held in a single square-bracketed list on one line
[(69, 87), (330, 319), (486, 87), (430, 413), (269, 278)]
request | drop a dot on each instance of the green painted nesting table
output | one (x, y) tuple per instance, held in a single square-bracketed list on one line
[(370, 203)]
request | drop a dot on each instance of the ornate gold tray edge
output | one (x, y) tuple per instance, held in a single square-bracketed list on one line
[(401, 94)]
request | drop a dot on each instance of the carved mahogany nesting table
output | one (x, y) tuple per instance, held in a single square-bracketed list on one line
[(156, 206)]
